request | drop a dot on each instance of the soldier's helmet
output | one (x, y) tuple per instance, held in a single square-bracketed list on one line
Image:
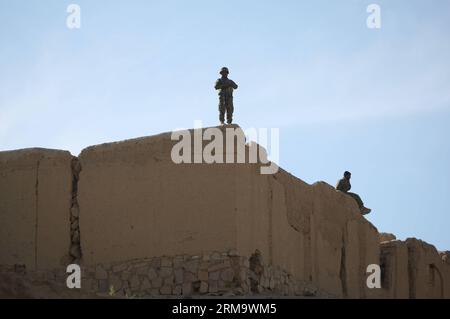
[(224, 70)]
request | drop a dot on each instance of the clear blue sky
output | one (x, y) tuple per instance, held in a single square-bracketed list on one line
[(345, 97)]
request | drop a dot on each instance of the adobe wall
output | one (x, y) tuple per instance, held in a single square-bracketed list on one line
[(333, 243), (136, 203), (314, 232), (394, 262), (125, 204), (132, 194), (428, 273), (35, 202), (414, 269)]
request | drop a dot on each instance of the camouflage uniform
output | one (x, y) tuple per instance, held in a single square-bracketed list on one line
[(344, 186), (225, 87)]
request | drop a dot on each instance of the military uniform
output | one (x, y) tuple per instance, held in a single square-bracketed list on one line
[(225, 87), (344, 186)]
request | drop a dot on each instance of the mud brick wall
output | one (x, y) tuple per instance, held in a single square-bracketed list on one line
[(136, 203), (120, 206), (35, 202), (394, 263)]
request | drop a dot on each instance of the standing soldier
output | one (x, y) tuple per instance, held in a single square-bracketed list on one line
[(225, 87)]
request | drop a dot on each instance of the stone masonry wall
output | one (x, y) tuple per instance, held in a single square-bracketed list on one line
[(216, 274)]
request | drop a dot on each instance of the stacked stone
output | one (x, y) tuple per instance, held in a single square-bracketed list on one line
[(266, 279), (42, 277), (75, 249), (214, 274), (274, 281)]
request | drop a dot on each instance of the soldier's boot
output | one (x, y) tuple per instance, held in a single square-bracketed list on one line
[(365, 210)]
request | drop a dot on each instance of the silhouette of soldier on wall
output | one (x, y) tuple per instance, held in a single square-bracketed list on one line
[(225, 87), (344, 186)]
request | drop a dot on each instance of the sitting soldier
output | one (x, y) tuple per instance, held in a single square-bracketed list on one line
[(344, 186)]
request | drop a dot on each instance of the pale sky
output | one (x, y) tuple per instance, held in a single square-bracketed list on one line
[(345, 97)]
